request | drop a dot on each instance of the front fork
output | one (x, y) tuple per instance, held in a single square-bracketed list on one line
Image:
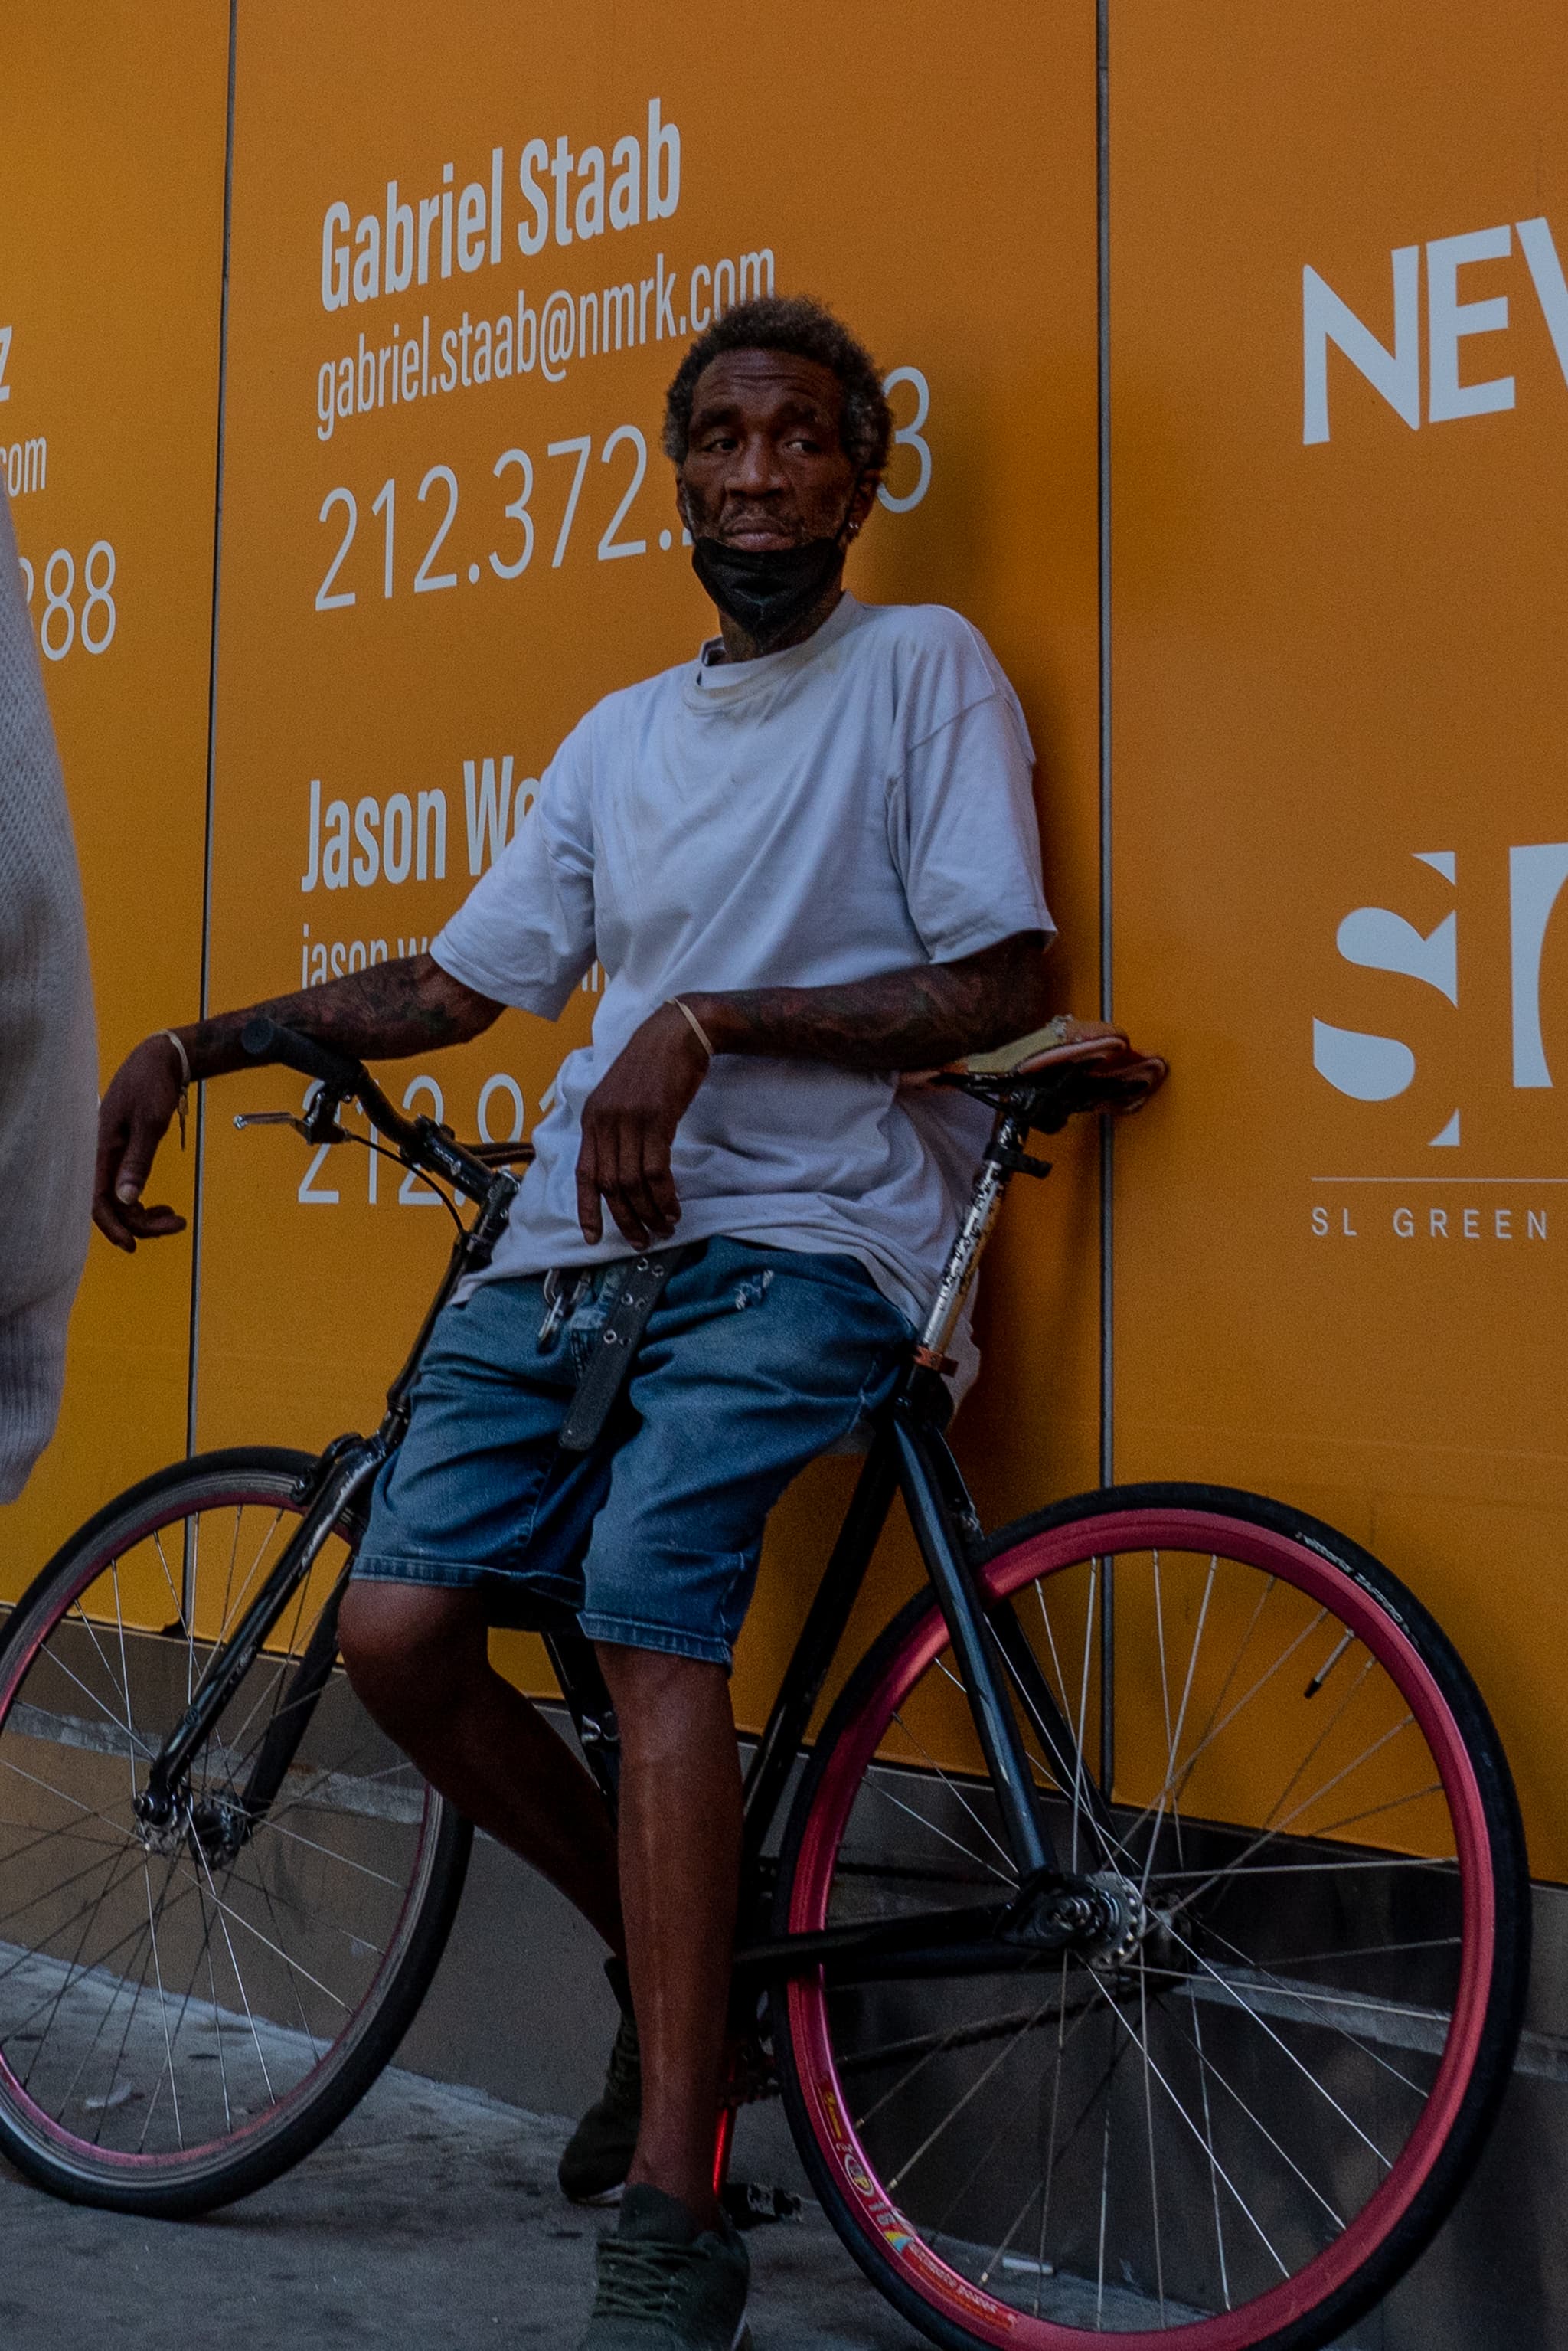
[(343, 1472)]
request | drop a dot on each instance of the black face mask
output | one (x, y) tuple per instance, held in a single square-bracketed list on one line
[(768, 590)]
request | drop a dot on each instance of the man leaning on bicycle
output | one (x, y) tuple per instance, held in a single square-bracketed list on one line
[(807, 860)]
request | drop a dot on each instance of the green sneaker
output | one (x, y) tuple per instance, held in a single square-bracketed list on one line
[(599, 2154), (664, 2286)]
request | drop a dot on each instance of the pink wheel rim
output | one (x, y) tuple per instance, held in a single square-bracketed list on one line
[(875, 2216)]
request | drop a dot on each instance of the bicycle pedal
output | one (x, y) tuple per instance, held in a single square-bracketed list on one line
[(758, 2204)]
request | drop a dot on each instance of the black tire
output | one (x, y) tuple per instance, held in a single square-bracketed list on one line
[(1488, 1881), (62, 1799)]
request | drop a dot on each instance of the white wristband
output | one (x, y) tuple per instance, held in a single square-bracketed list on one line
[(698, 1031)]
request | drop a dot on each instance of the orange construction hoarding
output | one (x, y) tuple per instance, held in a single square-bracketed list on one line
[(111, 189), (1339, 405)]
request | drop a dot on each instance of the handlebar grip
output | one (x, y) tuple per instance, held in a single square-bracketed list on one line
[(267, 1040)]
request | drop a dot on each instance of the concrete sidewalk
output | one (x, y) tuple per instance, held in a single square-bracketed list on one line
[(431, 2218)]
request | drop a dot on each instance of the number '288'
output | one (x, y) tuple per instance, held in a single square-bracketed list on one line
[(59, 627)]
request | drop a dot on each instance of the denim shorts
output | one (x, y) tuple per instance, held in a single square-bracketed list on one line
[(754, 1360)]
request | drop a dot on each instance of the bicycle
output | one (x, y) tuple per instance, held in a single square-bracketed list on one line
[(1139, 1947)]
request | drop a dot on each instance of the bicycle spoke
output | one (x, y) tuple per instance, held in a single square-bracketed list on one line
[(136, 1858), (1213, 2171), (163, 2010), (953, 2111), (177, 1598), (121, 1694), (1154, 2167), (924, 2044), (1280, 2263), (19, 1853), (1218, 1728), (1173, 1737), (1270, 1836), (967, 1851), (362, 1868), (1078, 1777), (1366, 1951), (1104, 2221), (1079, 1773), (954, 1792), (90, 1910), (217, 2032), (250, 1928), (114, 2076), (121, 1724), (1049, 2181), (61, 1885), (239, 1981), (229, 1616), (1305, 2071), (1208, 2071), (1316, 2003), (360, 1941)]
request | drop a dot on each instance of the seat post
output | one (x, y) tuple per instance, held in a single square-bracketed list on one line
[(1002, 1155)]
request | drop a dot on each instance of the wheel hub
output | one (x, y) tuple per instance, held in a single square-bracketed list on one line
[(214, 1828), (1127, 1920)]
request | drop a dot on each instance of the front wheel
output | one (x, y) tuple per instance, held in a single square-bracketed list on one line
[(186, 2012), (1239, 2128)]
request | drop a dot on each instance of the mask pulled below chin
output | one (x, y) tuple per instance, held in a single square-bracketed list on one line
[(766, 591)]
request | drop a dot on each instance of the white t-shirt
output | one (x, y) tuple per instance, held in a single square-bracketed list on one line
[(852, 806)]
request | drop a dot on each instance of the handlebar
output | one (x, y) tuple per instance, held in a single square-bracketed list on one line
[(420, 1141), (266, 1040)]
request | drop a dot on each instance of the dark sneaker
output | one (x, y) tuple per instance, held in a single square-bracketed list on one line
[(664, 2286), (599, 2154)]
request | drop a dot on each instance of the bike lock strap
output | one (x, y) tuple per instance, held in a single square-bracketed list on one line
[(617, 1343)]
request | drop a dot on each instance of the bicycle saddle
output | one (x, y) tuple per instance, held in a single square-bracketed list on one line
[(1054, 1073)]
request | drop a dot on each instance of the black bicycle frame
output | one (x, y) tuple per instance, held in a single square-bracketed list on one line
[(909, 1455)]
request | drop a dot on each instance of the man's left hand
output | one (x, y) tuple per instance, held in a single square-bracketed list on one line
[(629, 1123)]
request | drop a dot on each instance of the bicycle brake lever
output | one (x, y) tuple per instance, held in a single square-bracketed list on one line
[(269, 1118)]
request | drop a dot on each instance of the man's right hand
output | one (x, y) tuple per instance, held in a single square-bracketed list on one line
[(132, 1120)]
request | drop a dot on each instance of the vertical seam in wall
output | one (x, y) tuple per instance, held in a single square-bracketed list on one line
[(1107, 1146), (196, 1216)]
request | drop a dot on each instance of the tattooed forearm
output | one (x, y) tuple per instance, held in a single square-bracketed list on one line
[(912, 1020), (380, 1014)]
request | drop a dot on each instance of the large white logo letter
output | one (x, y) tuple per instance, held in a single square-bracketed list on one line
[(1325, 320), (1355, 1061), (1535, 876)]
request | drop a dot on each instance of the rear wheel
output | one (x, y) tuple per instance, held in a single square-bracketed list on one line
[(1239, 2128), (184, 2014)]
